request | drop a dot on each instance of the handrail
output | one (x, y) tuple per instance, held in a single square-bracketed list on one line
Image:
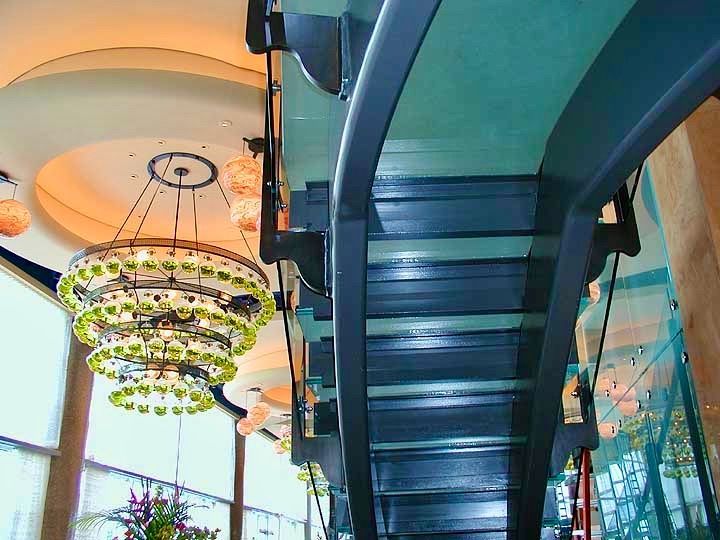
[(399, 31), (670, 50)]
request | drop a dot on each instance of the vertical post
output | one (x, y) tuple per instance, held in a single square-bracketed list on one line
[(653, 470), (63, 487), (587, 522), (237, 508), (308, 512)]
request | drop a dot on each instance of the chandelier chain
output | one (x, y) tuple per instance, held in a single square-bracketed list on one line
[(152, 200), (177, 212)]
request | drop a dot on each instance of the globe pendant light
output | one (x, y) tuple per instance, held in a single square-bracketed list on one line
[(245, 213), (242, 175), (166, 317), (14, 215)]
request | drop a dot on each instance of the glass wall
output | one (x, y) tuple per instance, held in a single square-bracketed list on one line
[(29, 428), (650, 467), (276, 502), (194, 452)]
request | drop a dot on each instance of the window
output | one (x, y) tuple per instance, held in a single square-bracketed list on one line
[(103, 488), (197, 451), (275, 500), (29, 436)]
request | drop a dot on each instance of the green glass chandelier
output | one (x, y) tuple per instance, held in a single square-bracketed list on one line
[(167, 318)]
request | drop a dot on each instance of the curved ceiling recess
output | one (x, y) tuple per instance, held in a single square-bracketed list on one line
[(75, 132), (43, 30)]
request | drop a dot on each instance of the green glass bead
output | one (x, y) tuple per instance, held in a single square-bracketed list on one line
[(207, 269), (128, 390), (144, 389), (192, 354), (249, 329), (208, 357), (165, 304), (201, 312), (189, 264), (136, 347), (116, 397), (98, 269), (238, 349), (177, 410), (131, 264), (162, 388), (231, 320), (180, 391), (84, 273), (156, 345), (160, 410), (129, 406), (218, 316), (113, 266), (64, 288), (143, 408), (112, 308), (171, 264), (147, 306), (224, 275), (191, 409), (151, 264), (105, 354), (184, 311), (175, 349), (238, 282), (195, 395), (128, 305), (208, 399)]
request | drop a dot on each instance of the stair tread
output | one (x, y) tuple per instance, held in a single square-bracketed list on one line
[(478, 356), (449, 442), (445, 287)]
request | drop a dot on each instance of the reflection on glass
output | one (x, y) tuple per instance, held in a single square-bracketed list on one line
[(648, 466)]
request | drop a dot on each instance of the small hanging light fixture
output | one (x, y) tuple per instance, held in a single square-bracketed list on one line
[(14, 216)]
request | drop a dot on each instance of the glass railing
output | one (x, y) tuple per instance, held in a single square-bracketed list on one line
[(648, 468)]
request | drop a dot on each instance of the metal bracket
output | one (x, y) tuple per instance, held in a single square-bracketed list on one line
[(325, 451), (571, 436), (313, 39), (622, 237)]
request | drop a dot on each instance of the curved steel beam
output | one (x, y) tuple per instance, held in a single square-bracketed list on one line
[(661, 63), (399, 31)]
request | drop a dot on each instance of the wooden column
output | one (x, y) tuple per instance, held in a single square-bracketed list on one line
[(685, 169), (63, 489), (236, 509)]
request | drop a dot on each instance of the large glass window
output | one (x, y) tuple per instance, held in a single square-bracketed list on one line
[(197, 452), (31, 401), (276, 502)]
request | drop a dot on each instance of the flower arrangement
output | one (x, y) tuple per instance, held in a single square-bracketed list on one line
[(150, 516)]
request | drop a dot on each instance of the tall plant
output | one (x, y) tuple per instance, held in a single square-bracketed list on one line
[(152, 515)]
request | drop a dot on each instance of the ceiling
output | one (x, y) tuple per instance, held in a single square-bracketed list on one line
[(91, 91)]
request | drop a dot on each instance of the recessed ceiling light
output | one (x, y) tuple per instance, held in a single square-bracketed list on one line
[(161, 142), (225, 123), (131, 154), (133, 176), (204, 146)]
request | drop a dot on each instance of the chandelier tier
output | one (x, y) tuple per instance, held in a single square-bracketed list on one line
[(167, 318)]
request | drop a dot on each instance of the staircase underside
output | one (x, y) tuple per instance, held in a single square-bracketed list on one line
[(460, 221)]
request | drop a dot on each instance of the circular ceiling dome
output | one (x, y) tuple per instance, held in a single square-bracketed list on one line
[(91, 190)]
